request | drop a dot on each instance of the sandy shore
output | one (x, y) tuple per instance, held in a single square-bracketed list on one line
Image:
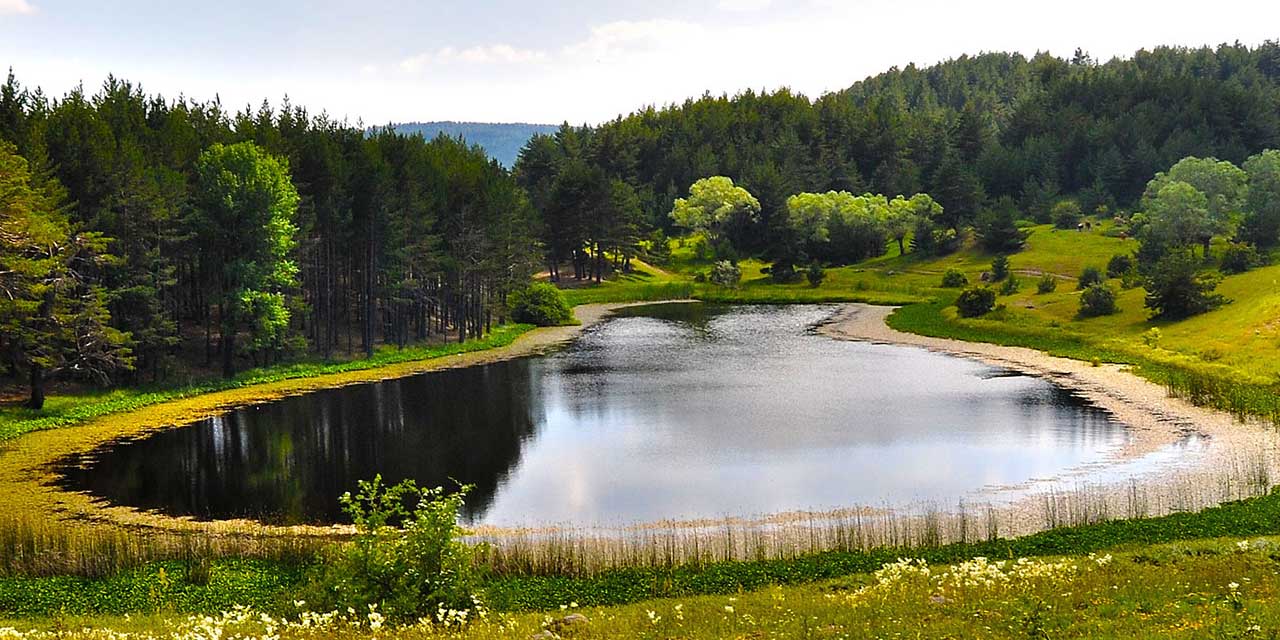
[(1154, 419)]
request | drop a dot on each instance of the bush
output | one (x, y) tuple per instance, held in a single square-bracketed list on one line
[(1047, 283), (784, 273), (816, 274), (954, 279), (1177, 288), (976, 301), (409, 562), (1119, 265), (1010, 286), (725, 274), (1066, 214), (540, 303), (1239, 258), (659, 248), (1097, 300), (1089, 277), (999, 268)]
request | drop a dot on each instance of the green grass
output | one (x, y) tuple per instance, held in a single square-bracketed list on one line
[(66, 410)]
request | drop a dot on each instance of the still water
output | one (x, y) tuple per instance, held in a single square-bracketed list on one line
[(668, 411)]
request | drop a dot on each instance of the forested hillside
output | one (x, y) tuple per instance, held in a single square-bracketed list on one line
[(994, 131), (501, 140), (147, 238)]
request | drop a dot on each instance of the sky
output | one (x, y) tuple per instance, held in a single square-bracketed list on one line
[(579, 61)]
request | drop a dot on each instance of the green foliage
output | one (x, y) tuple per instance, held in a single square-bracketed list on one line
[(954, 279), (1097, 300), (53, 318), (999, 268), (1088, 277), (409, 562), (840, 227), (725, 274), (540, 304), (1046, 284), (997, 227), (1239, 258), (659, 249), (1178, 287), (815, 274), (1010, 286), (1261, 225), (975, 301), (1066, 214), (1119, 265), (714, 207)]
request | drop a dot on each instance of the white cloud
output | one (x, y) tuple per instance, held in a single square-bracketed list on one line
[(16, 7), (744, 5), (493, 54), (615, 40)]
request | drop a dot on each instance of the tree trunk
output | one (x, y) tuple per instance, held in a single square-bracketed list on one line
[(37, 388), (902, 246)]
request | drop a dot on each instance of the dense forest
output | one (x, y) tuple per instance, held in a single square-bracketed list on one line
[(147, 238), (992, 133)]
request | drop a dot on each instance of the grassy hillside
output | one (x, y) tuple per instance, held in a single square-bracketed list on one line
[(502, 141)]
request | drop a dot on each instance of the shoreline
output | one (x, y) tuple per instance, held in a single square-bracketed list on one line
[(1153, 419)]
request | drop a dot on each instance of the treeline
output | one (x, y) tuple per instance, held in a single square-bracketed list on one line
[(993, 132), (200, 254)]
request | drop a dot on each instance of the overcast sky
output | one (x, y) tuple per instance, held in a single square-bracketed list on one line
[(579, 60)]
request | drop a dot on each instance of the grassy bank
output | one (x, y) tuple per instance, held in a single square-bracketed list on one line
[(66, 410), (1227, 588)]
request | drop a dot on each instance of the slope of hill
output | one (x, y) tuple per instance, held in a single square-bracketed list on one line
[(502, 141)]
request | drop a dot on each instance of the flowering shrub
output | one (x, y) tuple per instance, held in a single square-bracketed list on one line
[(408, 563)]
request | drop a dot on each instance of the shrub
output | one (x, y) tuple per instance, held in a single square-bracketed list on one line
[(1010, 286), (954, 279), (1097, 300), (1047, 283), (725, 274), (540, 303), (1177, 288), (997, 226), (410, 562), (659, 247), (1066, 214), (999, 268), (784, 273), (1239, 258), (1089, 277), (816, 274), (1119, 265), (976, 301)]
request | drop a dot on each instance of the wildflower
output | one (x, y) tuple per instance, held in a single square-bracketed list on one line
[(728, 608), (654, 618)]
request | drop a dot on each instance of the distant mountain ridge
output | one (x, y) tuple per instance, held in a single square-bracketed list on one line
[(501, 140)]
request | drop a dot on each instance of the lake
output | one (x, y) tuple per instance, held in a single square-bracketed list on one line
[(677, 411)]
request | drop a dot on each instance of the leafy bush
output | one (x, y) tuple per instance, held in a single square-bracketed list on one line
[(976, 301), (1066, 214), (1239, 258), (659, 248), (816, 274), (784, 273), (1089, 277), (1047, 283), (1010, 286), (410, 563), (540, 303), (725, 274), (999, 268), (1097, 300), (954, 279), (1178, 288), (1119, 265)]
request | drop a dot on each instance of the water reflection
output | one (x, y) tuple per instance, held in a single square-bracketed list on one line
[(680, 411)]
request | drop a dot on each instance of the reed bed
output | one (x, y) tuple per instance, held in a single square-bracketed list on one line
[(579, 552), (31, 546)]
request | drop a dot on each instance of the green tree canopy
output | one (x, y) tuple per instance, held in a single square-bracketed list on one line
[(713, 205), (53, 317), (246, 204), (1261, 224)]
